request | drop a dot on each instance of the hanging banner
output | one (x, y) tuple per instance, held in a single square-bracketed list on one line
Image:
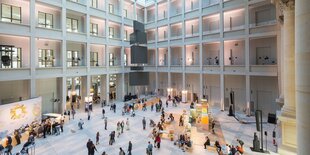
[(15, 115)]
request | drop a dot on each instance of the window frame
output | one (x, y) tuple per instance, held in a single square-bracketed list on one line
[(17, 59), (11, 14), (45, 24), (111, 33), (71, 62), (94, 60), (71, 27), (44, 58), (111, 8), (96, 4), (92, 32)]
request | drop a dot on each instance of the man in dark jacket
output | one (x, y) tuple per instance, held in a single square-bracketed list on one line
[(89, 145), (129, 148)]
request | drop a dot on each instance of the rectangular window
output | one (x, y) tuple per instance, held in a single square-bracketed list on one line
[(10, 13), (72, 25), (125, 35), (46, 58), (11, 57), (94, 3), (93, 29), (111, 32), (111, 59), (94, 59), (125, 13), (111, 8), (73, 58), (125, 59), (45, 20)]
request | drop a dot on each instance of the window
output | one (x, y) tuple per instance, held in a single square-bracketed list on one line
[(10, 13), (94, 59), (72, 25), (125, 59), (111, 8), (11, 57), (46, 58), (125, 13), (94, 3), (125, 35), (73, 58), (45, 20), (111, 32), (111, 59), (94, 29)]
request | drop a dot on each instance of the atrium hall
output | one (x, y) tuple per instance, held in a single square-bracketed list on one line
[(233, 72)]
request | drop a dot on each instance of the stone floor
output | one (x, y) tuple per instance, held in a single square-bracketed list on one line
[(73, 141)]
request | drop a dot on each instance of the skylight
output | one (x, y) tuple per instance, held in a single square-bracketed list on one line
[(145, 2)]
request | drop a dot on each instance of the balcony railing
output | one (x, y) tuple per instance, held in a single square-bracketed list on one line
[(266, 23)]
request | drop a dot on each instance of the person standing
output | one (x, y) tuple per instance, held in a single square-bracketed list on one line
[(158, 141), (149, 148), (93, 149), (114, 108), (129, 148), (167, 103), (152, 107), (121, 151), (144, 123), (127, 124), (81, 124), (118, 128), (97, 138), (88, 145), (105, 123), (213, 126)]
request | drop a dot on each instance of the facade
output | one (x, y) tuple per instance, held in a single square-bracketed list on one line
[(196, 48)]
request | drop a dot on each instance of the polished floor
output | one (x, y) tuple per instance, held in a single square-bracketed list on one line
[(73, 141)]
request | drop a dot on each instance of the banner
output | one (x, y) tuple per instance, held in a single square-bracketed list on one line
[(14, 115)]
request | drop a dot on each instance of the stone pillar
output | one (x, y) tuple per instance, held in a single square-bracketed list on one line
[(302, 50), (288, 112)]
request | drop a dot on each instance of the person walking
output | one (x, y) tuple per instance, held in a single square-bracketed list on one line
[(127, 124), (129, 148), (88, 115), (213, 126), (73, 113), (93, 149), (88, 145), (144, 123), (105, 123), (69, 114), (121, 151), (122, 126), (118, 128), (80, 124), (97, 138), (167, 103), (152, 107), (103, 112)]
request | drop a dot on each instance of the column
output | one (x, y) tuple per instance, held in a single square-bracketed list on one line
[(103, 90), (302, 50), (248, 94), (107, 88), (288, 112), (222, 91)]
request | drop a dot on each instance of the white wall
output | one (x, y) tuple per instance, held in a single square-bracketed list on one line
[(237, 84), (55, 12), (101, 25), (265, 13), (11, 90), (264, 95), (211, 50), (189, 24), (161, 56), (188, 55), (176, 83), (176, 30), (211, 89), (176, 56), (268, 43), (175, 7), (81, 22), (19, 42), (192, 85), (162, 33), (24, 9), (101, 53), (162, 11), (237, 16), (211, 23), (80, 48), (46, 88), (238, 50)]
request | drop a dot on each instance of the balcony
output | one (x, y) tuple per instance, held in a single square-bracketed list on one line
[(49, 72), (95, 70), (264, 27), (14, 28), (234, 69), (42, 32), (176, 68), (211, 69), (80, 7), (77, 71), (271, 70), (76, 36), (14, 74)]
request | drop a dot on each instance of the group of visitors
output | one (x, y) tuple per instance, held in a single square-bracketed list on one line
[(226, 149)]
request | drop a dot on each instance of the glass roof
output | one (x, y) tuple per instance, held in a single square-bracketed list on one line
[(145, 2)]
